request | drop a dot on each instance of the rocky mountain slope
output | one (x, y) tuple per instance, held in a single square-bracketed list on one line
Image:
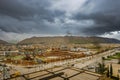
[(67, 39)]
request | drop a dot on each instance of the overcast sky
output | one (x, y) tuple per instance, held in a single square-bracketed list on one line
[(20, 19)]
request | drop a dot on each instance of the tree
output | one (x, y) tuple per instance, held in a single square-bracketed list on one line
[(107, 74), (111, 70), (118, 56), (101, 68), (118, 60), (103, 58)]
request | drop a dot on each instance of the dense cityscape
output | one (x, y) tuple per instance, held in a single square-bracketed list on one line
[(59, 61)]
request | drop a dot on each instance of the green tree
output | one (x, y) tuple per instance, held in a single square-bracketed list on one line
[(111, 70), (107, 74), (118, 60), (101, 68)]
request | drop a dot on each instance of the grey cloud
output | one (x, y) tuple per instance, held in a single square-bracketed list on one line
[(24, 9), (14, 8), (37, 17), (106, 17), (21, 16), (8, 24)]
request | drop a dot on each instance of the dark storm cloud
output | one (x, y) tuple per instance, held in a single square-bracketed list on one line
[(104, 24), (105, 15), (24, 9), (14, 8), (89, 17), (8, 24), (21, 16)]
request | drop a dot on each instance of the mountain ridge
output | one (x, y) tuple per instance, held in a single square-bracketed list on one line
[(3, 42), (67, 39)]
